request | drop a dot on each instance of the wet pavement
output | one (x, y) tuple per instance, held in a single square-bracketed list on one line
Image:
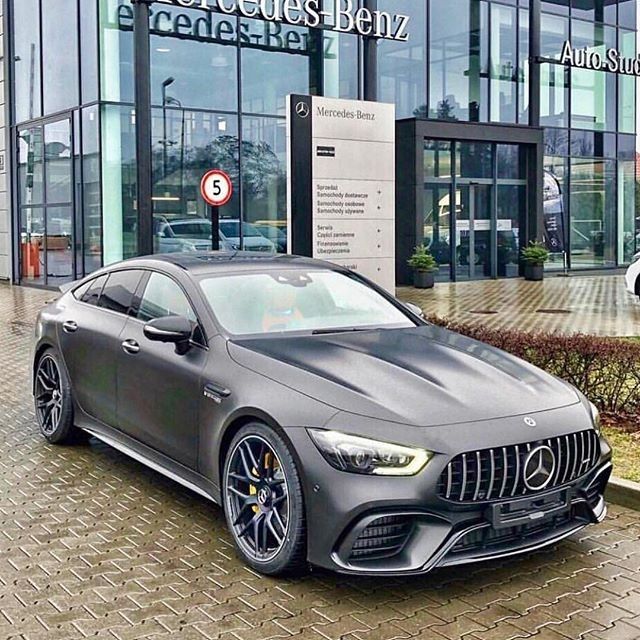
[(597, 305), (93, 544)]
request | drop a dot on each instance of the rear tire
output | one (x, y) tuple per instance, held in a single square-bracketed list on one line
[(263, 502), (53, 399)]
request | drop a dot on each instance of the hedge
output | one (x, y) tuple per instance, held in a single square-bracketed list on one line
[(606, 370)]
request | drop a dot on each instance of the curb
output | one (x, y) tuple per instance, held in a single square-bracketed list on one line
[(624, 493)]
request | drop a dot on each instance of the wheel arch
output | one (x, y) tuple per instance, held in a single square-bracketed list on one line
[(238, 420), (39, 350), (637, 285)]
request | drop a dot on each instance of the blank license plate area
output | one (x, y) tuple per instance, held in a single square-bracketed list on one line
[(528, 510)]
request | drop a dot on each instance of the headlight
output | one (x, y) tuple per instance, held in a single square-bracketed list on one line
[(595, 417), (369, 457)]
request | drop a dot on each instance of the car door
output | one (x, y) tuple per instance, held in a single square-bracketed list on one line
[(158, 390), (89, 333)]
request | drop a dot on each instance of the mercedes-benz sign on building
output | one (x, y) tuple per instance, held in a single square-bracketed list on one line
[(515, 119)]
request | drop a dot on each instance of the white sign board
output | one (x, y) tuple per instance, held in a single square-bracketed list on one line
[(351, 182)]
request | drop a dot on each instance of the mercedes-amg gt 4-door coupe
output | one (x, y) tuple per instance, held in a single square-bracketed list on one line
[(333, 424)]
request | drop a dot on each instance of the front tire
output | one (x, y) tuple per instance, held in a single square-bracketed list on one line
[(263, 501), (53, 400)]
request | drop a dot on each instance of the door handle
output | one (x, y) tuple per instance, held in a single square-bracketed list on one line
[(70, 326), (131, 347)]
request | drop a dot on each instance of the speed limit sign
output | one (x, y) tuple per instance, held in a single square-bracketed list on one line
[(216, 188)]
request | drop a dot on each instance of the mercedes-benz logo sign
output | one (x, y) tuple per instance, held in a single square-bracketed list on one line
[(302, 109), (530, 422), (263, 495), (539, 467)]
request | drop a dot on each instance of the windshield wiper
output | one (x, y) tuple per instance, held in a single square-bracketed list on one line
[(320, 332)]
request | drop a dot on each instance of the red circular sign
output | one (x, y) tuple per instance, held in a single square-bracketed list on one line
[(216, 188)]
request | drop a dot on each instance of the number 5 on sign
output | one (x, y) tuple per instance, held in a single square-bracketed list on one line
[(216, 188)]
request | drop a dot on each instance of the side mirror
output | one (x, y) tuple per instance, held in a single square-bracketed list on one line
[(173, 329), (415, 309)]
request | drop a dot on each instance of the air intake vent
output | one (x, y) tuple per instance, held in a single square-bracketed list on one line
[(489, 538), (494, 474), (383, 538)]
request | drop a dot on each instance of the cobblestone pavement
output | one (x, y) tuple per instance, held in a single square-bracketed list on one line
[(590, 304), (94, 544)]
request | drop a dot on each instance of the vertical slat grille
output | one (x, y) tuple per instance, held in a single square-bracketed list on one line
[(494, 474)]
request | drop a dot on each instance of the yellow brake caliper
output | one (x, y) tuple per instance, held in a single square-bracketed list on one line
[(253, 490)]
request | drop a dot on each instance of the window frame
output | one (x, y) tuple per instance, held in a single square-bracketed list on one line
[(89, 282), (139, 295), (127, 313)]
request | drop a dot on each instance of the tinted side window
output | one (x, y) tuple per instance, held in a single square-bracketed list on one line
[(163, 297), (81, 290), (117, 294), (92, 294)]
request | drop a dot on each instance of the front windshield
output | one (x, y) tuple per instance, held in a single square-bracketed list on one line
[(294, 300)]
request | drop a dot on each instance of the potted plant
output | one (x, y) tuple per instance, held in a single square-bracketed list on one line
[(534, 256), (424, 266)]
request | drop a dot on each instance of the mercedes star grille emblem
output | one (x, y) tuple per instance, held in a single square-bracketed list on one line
[(302, 109), (539, 467), (530, 422)]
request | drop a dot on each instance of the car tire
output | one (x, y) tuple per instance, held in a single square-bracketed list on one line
[(263, 502), (53, 399)]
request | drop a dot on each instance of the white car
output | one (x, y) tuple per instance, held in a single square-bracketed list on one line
[(632, 277)]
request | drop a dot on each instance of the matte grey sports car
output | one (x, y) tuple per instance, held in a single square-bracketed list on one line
[(332, 423)]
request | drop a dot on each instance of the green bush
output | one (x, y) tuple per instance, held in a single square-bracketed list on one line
[(535, 254), (422, 260), (606, 370)]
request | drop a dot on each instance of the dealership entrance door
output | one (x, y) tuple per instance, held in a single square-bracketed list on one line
[(471, 200), (473, 231), (45, 201)]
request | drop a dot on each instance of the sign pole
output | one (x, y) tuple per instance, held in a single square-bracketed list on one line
[(214, 212), (216, 189)]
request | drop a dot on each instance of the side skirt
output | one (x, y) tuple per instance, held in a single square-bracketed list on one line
[(156, 461)]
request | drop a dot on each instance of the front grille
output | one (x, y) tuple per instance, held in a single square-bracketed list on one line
[(493, 474), (489, 538), (383, 538)]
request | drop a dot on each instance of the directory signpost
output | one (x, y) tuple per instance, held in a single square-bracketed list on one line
[(341, 182)]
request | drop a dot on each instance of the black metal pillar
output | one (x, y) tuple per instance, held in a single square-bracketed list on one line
[(316, 62), (370, 60), (142, 65), (535, 176), (534, 63)]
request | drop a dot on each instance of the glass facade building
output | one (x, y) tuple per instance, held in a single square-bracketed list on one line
[(118, 107)]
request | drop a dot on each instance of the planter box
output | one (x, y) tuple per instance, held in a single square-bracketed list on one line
[(534, 272), (423, 279)]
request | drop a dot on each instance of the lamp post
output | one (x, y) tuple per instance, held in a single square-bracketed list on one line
[(170, 100), (165, 83)]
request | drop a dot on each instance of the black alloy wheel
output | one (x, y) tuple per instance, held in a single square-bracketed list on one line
[(53, 404), (263, 501)]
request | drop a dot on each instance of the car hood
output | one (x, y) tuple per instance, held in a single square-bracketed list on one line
[(425, 376)]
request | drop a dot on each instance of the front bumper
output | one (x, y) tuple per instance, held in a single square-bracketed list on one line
[(399, 526)]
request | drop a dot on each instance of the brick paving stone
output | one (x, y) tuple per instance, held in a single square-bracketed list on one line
[(93, 544), (620, 630), (606, 614), (502, 631)]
